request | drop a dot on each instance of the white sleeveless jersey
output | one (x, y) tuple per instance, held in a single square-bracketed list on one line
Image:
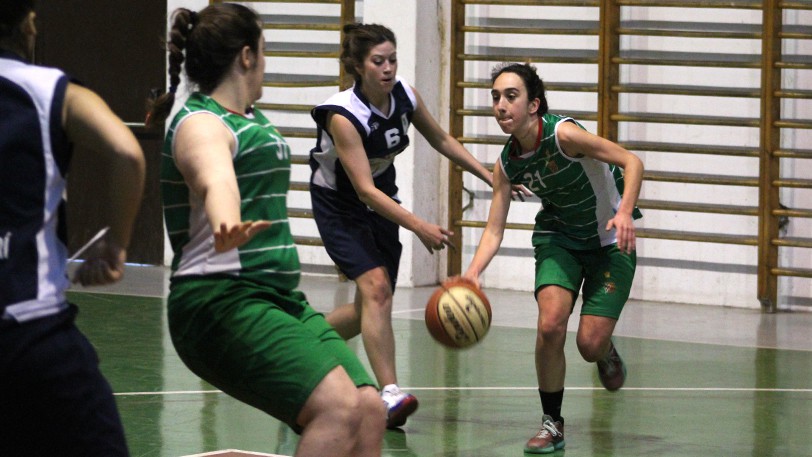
[(34, 157), (384, 136)]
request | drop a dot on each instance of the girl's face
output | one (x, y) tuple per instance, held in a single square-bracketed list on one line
[(511, 108), (380, 68)]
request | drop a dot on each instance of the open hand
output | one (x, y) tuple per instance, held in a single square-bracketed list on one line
[(228, 238)]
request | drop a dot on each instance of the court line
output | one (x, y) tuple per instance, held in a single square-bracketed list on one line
[(416, 389)]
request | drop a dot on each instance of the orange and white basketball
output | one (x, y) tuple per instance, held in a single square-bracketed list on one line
[(458, 314)]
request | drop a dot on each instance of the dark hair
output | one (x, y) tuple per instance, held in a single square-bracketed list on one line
[(211, 39), (532, 82), (12, 13), (358, 40)]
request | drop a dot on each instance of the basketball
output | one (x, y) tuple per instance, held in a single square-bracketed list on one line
[(458, 314)]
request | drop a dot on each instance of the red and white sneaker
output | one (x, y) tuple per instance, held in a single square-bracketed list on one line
[(399, 405), (550, 438)]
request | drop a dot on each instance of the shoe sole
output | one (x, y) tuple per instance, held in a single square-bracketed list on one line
[(397, 417), (556, 447)]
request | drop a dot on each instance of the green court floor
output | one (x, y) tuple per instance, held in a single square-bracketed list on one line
[(681, 399)]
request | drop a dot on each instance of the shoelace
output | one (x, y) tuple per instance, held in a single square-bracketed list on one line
[(548, 428)]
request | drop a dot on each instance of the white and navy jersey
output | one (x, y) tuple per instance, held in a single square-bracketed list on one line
[(384, 136), (34, 156)]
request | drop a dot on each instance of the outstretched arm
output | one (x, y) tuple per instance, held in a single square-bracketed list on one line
[(202, 153), (95, 130), (446, 144), (494, 228), (578, 142)]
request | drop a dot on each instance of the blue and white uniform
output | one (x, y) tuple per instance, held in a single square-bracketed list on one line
[(33, 168), (53, 398), (357, 238)]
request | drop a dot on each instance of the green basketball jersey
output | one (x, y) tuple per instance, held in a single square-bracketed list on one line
[(578, 195), (262, 165)]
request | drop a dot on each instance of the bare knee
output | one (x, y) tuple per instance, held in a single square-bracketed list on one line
[(375, 290), (372, 409), (551, 332), (592, 348)]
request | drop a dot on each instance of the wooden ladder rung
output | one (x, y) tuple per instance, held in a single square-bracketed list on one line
[(797, 272), (645, 233), (299, 159), (793, 93), (549, 86), (293, 80), (488, 111), (668, 118), (743, 4), (792, 212), (793, 153), (794, 183), (794, 62), (677, 235), (697, 207), (297, 132), (793, 123), (530, 26), (699, 178), (731, 151), (690, 29), (682, 89), (334, 2), (308, 240), (793, 242), (301, 186), (503, 54), (533, 2), (291, 107), (296, 22), (687, 59), (312, 50), (302, 213)]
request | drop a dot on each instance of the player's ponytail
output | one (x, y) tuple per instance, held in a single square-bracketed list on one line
[(183, 23), (205, 45)]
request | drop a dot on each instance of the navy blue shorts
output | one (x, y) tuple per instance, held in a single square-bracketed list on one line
[(53, 398), (356, 238)]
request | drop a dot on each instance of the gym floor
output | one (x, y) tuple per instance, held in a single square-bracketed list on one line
[(703, 381)]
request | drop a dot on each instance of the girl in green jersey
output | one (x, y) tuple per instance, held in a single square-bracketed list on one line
[(584, 236), (235, 316)]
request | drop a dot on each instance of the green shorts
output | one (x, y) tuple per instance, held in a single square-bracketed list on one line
[(265, 347), (604, 275)]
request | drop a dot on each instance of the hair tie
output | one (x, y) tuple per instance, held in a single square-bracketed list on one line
[(173, 88)]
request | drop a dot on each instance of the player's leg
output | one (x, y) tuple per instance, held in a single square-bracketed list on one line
[(54, 399), (554, 306), (369, 434), (557, 278), (271, 350), (379, 343), (346, 318), (595, 336), (608, 281), (342, 420)]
